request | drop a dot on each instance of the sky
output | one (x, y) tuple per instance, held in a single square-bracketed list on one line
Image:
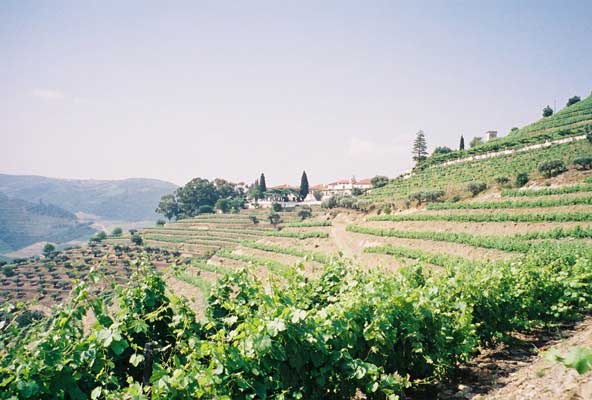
[(181, 89)]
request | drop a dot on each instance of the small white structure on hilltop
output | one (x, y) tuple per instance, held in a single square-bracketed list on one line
[(490, 135)]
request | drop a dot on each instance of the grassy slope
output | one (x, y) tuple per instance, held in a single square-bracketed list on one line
[(453, 178), (568, 117)]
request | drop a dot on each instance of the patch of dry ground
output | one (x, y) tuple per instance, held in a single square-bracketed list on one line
[(543, 379), (519, 370), (479, 228), (196, 299)]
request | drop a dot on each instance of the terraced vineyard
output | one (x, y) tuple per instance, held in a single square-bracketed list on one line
[(454, 178), (47, 281), (340, 305)]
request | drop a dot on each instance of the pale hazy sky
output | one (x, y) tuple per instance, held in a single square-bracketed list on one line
[(179, 89)]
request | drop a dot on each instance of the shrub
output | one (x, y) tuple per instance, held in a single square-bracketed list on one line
[(573, 100), (476, 141), (205, 209), (223, 205), (337, 201), (427, 196), (455, 198), (27, 317), (522, 179), (254, 219), (476, 187), (379, 181), (160, 222), (274, 218), (277, 207), (318, 195), (100, 236), (551, 168), (547, 112), (304, 213), (502, 180), (118, 231), (48, 249), (583, 163), (8, 270), (441, 150), (137, 239)]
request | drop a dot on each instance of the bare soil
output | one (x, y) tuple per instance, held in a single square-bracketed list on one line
[(519, 370), (480, 228)]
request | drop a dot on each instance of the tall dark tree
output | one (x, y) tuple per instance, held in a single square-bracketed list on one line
[(462, 143), (303, 186), (420, 147), (262, 184)]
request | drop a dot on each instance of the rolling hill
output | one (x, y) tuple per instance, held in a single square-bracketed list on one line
[(23, 223), (126, 200)]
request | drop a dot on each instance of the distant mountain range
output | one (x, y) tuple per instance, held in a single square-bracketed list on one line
[(126, 200), (23, 223), (36, 209)]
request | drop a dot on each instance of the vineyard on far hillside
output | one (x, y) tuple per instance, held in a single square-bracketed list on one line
[(454, 178)]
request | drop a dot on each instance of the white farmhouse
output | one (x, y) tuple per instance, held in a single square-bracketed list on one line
[(345, 186)]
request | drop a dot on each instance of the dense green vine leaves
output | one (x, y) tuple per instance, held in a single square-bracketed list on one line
[(326, 337)]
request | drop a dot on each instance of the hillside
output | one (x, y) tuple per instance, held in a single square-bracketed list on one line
[(23, 223), (454, 178), (420, 299), (571, 117), (570, 123), (445, 172), (126, 200)]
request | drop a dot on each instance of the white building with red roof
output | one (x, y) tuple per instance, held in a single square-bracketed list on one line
[(343, 186)]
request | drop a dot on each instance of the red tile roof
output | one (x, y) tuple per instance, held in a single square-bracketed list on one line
[(284, 186), (319, 187)]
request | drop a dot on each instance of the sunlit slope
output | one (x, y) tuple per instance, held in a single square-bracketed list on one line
[(568, 118), (455, 177)]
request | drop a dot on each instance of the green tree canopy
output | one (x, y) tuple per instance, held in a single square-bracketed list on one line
[(573, 100), (379, 181), (198, 195), (442, 150), (168, 206), (303, 185), (547, 111), (476, 141), (223, 205), (262, 184), (420, 147), (48, 249)]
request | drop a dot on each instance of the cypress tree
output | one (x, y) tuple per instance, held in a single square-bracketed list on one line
[(420, 147), (262, 184), (462, 143), (303, 186)]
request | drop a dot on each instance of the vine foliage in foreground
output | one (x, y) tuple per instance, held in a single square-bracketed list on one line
[(325, 337)]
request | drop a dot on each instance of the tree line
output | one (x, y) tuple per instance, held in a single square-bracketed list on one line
[(202, 196)]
